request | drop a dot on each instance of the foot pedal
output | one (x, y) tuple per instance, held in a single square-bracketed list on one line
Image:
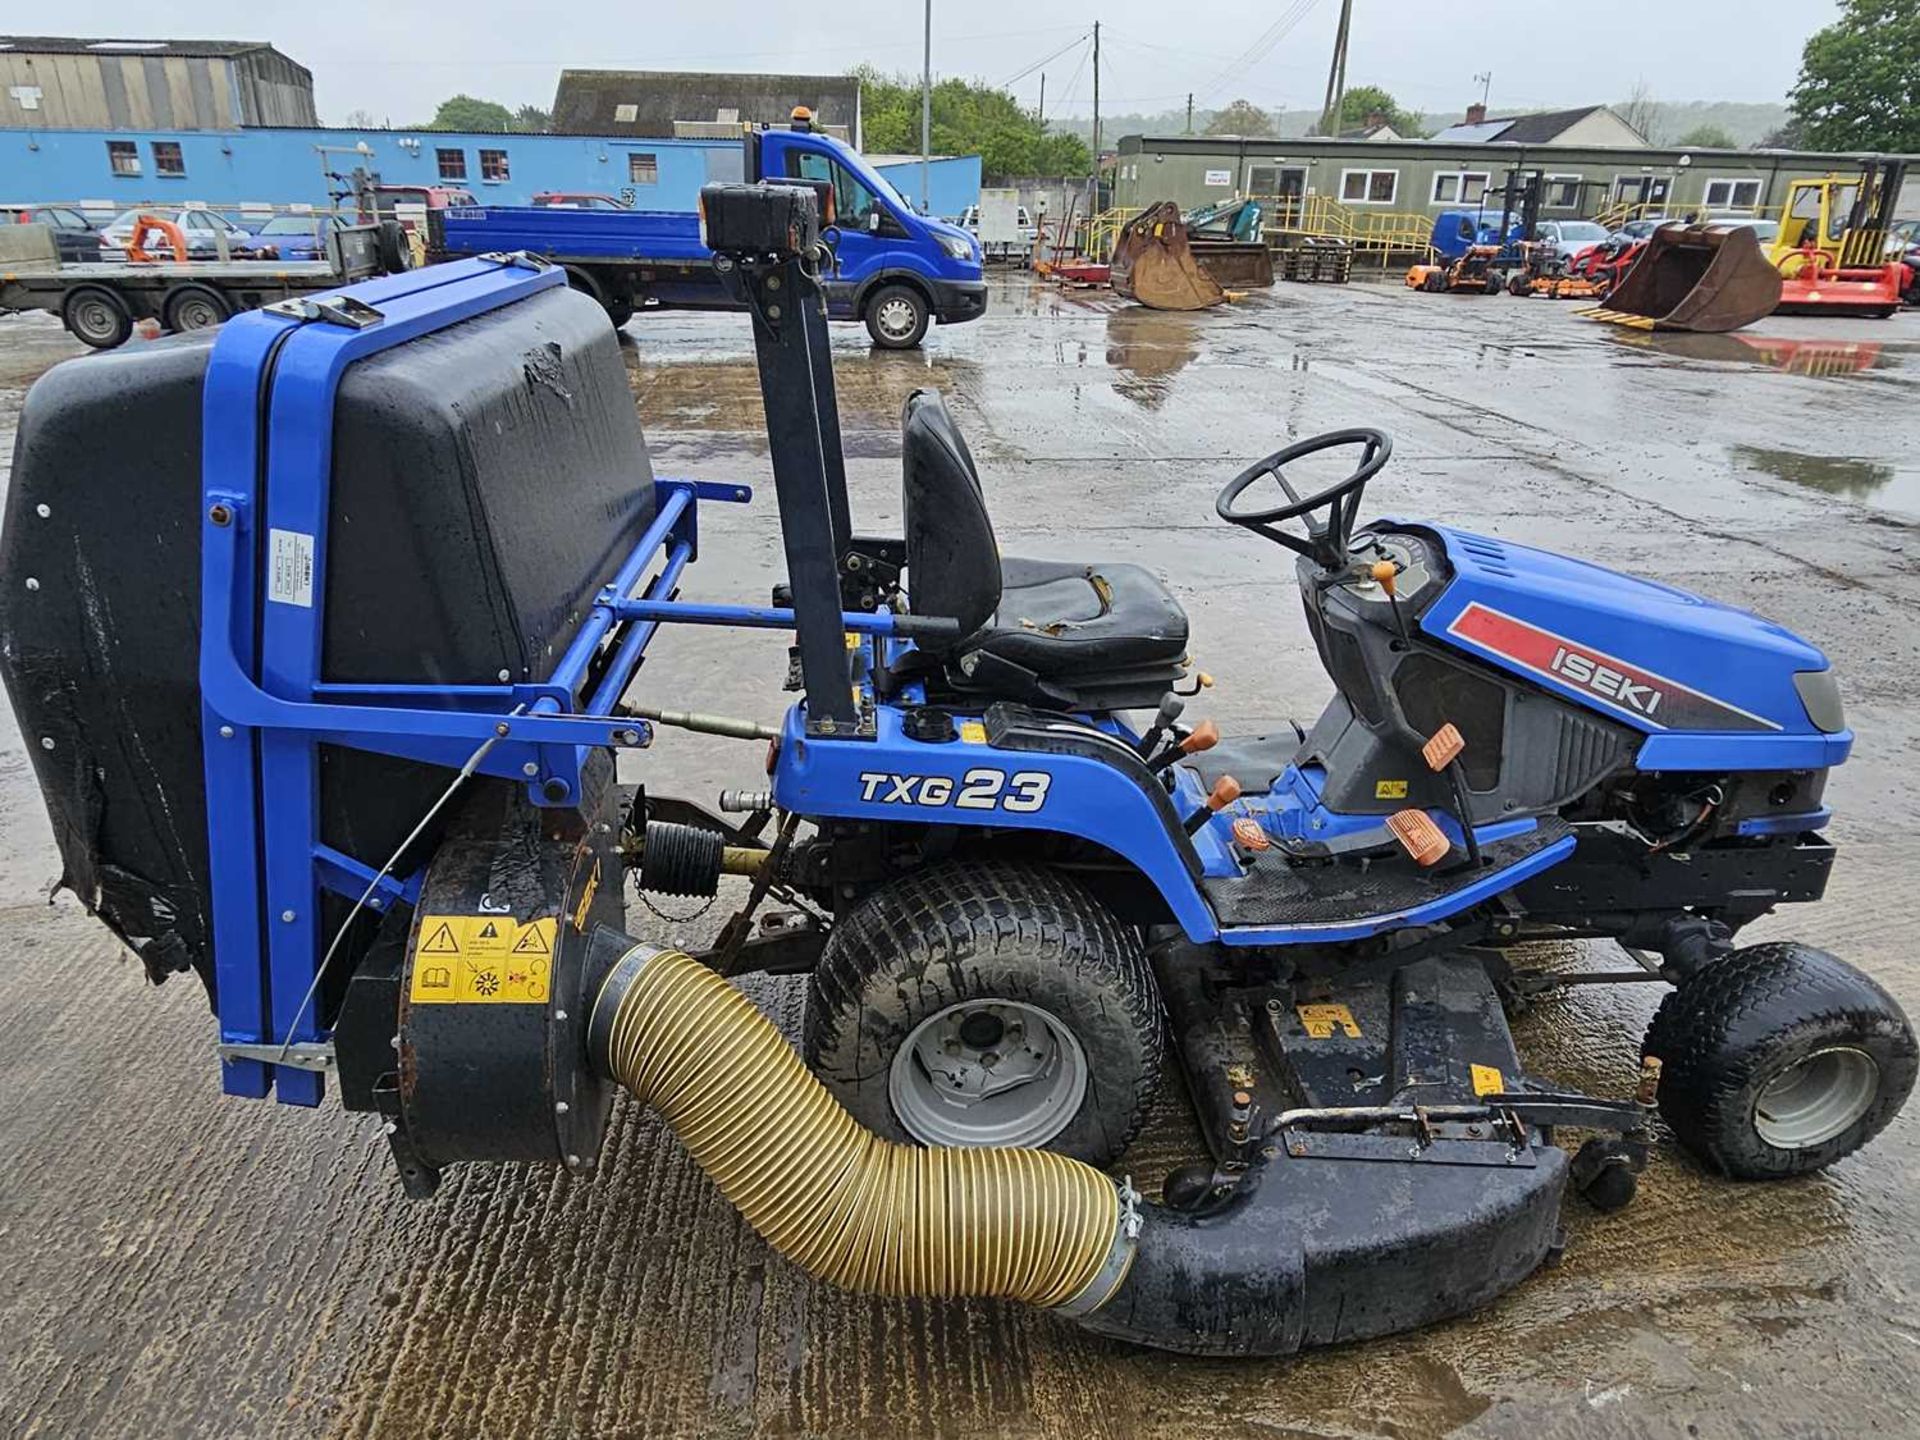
[(1425, 841), (1444, 748)]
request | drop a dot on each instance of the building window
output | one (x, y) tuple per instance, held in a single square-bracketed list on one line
[(167, 159), (1369, 187), (1460, 187), (643, 168), (1560, 192), (625, 114), (493, 165), (1733, 194), (124, 157), (453, 164)]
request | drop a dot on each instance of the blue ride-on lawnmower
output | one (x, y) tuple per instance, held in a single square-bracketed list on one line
[(325, 633)]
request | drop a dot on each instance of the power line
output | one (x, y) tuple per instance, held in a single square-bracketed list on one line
[(1261, 47), (1022, 74)]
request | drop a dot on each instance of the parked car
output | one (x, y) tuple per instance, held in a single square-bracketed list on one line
[(570, 200), (296, 237), (1643, 227), (1569, 237), (204, 230), (74, 237), (1764, 231)]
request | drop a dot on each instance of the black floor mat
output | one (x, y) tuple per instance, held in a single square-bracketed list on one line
[(1254, 760), (1277, 893)]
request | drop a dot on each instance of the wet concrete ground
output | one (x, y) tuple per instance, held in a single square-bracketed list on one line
[(172, 1263)]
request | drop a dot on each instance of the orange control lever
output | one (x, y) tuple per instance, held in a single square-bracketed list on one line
[(1205, 736), (1385, 572), (1225, 791)]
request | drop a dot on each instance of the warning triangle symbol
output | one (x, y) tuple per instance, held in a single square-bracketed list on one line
[(531, 942), (489, 931), (441, 942)]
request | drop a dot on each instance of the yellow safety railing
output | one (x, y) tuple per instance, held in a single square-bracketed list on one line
[(1104, 229), (1379, 233)]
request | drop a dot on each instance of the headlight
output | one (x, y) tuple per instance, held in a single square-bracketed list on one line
[(956, 247)]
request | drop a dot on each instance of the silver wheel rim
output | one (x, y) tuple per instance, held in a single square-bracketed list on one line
[(897, 318), (196, 315), (988, 1072), (1816, 1098), (95, 319)]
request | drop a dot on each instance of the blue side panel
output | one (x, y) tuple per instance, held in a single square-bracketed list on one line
[(1712, 685), (981, 786)]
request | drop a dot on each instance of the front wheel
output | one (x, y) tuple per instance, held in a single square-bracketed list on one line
[(1778, 1060), (976, 1005), (897, 317)]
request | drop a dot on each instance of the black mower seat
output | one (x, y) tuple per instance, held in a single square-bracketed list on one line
[(1053, 629)]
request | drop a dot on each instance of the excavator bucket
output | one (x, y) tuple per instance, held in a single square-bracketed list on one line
[(1694, 277), (1154, 264)]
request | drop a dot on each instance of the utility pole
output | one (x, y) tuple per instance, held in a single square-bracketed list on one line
[(926, 118), (1337, 73), (1189, 112), (1042, 117), (1096, 109)]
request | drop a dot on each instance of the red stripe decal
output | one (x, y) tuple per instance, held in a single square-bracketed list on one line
[(1605, 679)]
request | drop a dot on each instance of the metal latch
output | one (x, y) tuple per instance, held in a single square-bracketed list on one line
[(303, 1055), (334, 310), (520, 259)]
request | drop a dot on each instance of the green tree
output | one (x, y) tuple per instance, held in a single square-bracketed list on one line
[(463, 112), (1708, 137), (1859, 86), (1242, 117), (970, 117), (1364, 101), (532, 120)]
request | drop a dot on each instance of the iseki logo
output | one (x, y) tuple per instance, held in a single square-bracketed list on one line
[(1603, 679)]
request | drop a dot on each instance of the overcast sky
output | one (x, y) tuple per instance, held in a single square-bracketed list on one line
[(397, 60)]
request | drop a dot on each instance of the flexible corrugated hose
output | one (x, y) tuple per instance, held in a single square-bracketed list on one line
[(834, 1198)]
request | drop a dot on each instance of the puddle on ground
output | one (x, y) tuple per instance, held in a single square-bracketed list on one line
[(1819, 356), (1891, 487)]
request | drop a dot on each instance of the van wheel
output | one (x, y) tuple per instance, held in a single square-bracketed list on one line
[(195, 307), (96, 317), (988, 1005), (620, 312), (897, 317)]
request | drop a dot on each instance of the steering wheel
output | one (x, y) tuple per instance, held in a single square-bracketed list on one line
[(1327, 535)]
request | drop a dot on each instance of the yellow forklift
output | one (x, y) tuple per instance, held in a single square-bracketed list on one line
[(1835, 251)]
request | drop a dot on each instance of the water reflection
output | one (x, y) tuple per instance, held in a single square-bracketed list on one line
[(1148, 348)]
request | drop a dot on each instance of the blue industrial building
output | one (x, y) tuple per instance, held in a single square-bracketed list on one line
[(110, 170)]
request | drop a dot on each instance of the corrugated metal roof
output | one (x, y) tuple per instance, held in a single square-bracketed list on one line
[(72, 45)]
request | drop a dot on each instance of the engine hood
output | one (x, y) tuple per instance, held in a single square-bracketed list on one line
[(1654, 656)]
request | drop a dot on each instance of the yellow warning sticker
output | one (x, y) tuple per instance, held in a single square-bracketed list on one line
[(483, 960), (1488, 1081), (1389, 789), (1322, 1021), (973, 732), (586, 899)]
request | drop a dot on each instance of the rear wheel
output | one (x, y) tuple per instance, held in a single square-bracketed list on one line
[(988, 1005), (1434, 283), (1780, 1059), (1494, 283), (195, 307), (390, 248), (96, 317), (1519, 285), (620, 311), (897, 317)]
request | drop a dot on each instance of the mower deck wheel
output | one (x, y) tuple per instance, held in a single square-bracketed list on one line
[(1780, 1059), (988, 1004)]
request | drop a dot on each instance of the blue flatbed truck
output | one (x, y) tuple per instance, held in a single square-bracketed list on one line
[(894, 270)]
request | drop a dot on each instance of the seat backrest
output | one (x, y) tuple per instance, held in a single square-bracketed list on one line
[(953, 562)]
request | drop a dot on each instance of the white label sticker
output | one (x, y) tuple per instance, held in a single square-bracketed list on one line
[(290, 555), (1219, 177)]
